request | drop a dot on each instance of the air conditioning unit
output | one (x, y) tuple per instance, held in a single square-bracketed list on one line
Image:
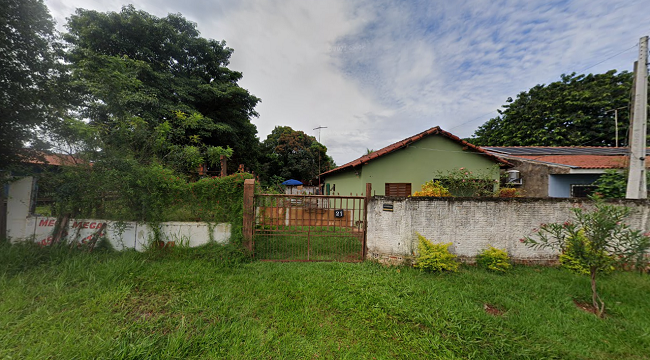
[(514, 178)]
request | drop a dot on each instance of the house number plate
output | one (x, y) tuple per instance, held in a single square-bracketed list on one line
[(338, 213)]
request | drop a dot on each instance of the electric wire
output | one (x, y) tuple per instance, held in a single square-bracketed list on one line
[(476, 118), (609, 58), (581, 71)]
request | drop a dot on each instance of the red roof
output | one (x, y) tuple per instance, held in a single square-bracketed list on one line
[(53, 159), (410, 140), (582, 161)]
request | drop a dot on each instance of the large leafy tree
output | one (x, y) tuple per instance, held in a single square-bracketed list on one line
[(30, 90), (570, 112), (291, 154), (157, 90)]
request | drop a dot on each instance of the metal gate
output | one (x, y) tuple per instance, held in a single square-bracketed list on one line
[(309, 228)]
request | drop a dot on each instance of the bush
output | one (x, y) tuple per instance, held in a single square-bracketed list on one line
[(611, 185), (433, 188), (507, 192), (435, 257), (122, 189), (493, 259), (572, 257), (465, 183)]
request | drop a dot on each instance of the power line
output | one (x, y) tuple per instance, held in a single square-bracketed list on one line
[(611, 57), (476, 118), (581, 71)]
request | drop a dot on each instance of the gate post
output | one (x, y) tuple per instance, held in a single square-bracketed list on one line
[(365, 220), (249, 213)]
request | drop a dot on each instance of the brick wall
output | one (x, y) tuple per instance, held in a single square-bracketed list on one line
[(471, 225)]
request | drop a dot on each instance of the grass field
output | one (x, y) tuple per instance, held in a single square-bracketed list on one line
[(207, 304)]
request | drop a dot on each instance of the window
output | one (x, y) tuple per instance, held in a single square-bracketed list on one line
[(398, 189), (582, 191)]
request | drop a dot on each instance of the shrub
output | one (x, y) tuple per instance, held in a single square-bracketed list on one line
[(575, 250), (611, 185), (507, 192), (433, 188), (435, 257), (123, 189), (494, 259), (466, 183)]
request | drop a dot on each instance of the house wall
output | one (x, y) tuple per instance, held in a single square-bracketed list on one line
[(347, 182), (560, 185), (472, 225), (415, 164), (535, 177), (19, 196)]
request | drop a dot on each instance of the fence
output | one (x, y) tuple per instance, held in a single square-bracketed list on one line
[(471, 225), (284, 227), (21, 225)]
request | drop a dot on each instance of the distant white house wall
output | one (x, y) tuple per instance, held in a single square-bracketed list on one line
[(19, 198)]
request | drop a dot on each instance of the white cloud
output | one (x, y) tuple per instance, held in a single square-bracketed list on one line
[(375, 72)]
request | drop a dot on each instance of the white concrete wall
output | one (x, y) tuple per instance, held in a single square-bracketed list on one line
[(122, 235), (126, 235), (471, 225)]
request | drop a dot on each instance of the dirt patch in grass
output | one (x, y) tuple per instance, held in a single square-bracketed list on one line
[(585, 306), (492, 310), (144, 306)]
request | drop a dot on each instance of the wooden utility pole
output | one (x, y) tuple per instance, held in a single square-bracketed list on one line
[(636, 182)]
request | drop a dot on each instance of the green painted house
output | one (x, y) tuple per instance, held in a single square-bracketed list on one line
[(401, 168)]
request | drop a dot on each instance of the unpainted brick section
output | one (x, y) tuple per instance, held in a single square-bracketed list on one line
[(472, 225)]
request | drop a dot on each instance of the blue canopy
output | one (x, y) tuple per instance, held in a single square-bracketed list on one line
[(292, 182)]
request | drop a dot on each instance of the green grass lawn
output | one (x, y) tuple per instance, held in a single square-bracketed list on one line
[(309, 243), (205, 304)]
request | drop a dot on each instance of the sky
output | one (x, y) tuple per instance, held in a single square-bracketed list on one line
[(376, 72)]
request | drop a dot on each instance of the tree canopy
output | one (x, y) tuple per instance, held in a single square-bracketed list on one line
[(30, 91), (291, 154), (571, 112), (155, 89)]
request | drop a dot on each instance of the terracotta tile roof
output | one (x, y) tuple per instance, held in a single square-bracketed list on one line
[(578, 157), (410, 140), (581, 161), (52, 159), (559, 150)]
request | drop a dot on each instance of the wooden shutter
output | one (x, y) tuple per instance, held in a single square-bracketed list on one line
[(398, 189)]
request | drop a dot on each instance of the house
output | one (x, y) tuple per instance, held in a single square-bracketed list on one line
[(560, 172), (33, 162), (401, 168)]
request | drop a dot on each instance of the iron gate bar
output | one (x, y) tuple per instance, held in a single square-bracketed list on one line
[(285, 223)]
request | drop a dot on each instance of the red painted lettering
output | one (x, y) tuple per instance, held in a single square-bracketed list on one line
[(43, 222), (76, 225), (92, 225), (51, 223), (85, 225)]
